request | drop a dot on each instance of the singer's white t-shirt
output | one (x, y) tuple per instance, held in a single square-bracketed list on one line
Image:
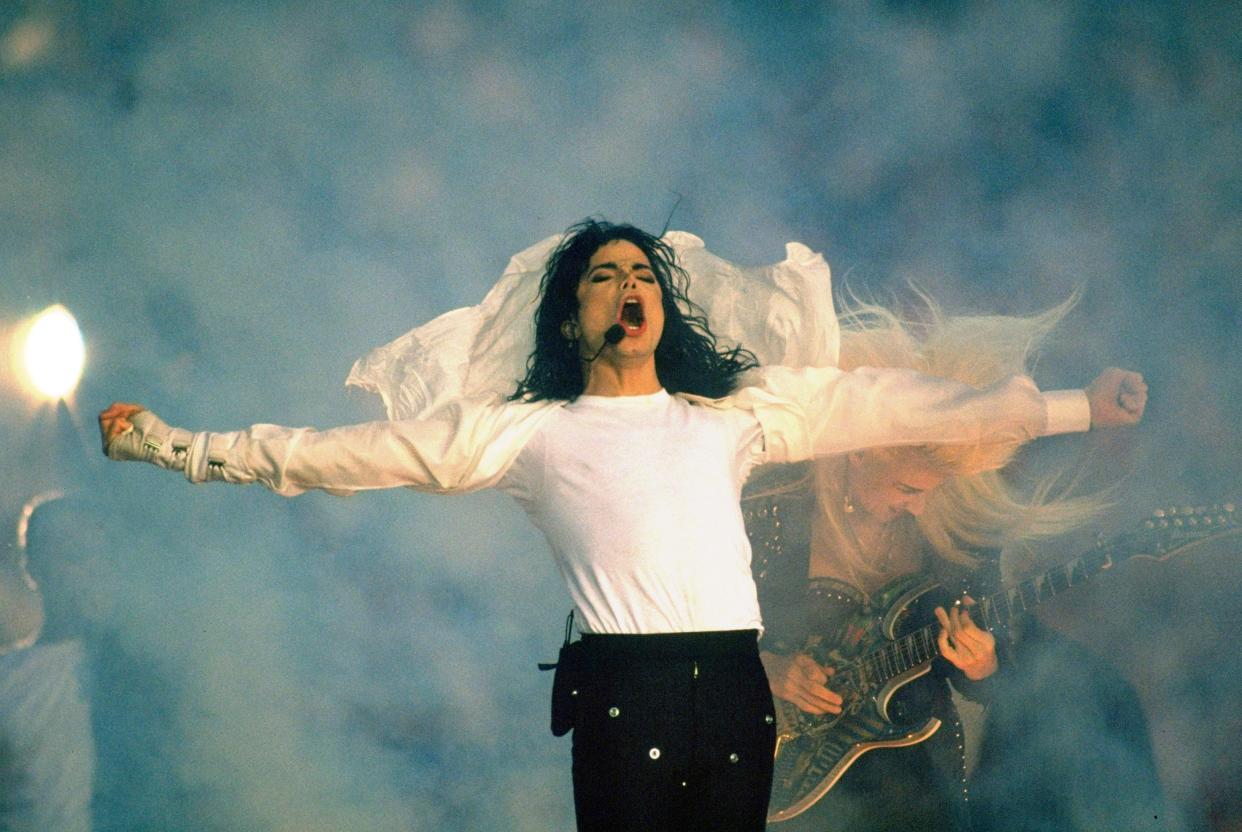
[(638, 497)]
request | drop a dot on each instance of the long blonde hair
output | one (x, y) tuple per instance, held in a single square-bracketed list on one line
[(975, 507)]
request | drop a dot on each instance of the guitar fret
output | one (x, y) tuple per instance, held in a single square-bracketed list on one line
[(984, 611), (1028, 595), (999, 612), (1045, 590)]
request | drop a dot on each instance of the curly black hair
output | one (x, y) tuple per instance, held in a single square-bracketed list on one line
[(687, 357)]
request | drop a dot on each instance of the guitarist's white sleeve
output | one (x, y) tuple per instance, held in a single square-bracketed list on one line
[(817, 411)]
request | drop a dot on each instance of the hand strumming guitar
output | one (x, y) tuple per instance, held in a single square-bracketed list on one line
[(801, 680)]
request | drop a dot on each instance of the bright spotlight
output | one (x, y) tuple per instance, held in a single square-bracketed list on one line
[(53, 353)]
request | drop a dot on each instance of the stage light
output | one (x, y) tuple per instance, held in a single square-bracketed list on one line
[(53, 353), (26, 43)]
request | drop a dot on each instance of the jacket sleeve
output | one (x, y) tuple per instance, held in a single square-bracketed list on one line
[(818, 411), (460, 447)]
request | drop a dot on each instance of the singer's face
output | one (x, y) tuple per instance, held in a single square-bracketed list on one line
[(619, 287)]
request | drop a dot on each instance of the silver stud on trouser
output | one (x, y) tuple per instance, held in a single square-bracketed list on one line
[(654, 753), (614, 711), (733, 758), (769, 719)]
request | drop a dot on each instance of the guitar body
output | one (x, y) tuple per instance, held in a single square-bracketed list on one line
[(879, 655), (812, 751)]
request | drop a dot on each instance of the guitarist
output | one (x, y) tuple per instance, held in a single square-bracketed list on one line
[(837, 540)]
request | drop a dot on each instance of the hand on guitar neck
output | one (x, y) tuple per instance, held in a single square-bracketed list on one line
[(971, 650)]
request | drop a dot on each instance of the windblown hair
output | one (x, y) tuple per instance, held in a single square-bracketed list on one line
[(976, 507), (688, 359)]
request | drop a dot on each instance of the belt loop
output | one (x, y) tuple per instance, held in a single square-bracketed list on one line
[(569, 626), (569, 631)]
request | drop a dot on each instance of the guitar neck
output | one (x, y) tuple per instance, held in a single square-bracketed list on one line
[(921, 645), (1163, 533), (999, 609)]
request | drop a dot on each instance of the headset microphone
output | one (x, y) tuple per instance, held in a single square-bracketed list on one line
[(612, 335)]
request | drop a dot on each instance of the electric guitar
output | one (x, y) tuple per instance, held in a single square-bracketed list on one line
[(885, 652)]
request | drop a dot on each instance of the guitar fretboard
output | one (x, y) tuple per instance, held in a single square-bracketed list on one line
[(1165, 531), (999, 609), (920, 646), (895, 658)]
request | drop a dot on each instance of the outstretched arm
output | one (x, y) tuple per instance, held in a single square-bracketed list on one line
[(824, 410), (461, 447)]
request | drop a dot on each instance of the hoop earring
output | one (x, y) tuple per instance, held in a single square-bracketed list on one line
[(569, 330)]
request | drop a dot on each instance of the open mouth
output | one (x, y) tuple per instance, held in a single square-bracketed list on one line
[(631, 316)]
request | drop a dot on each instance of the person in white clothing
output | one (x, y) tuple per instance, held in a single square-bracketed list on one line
[(627, 443)]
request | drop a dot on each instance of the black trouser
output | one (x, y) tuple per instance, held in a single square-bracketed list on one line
[(672, 732)]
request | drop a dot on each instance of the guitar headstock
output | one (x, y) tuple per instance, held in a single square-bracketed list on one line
[(1168, 529)]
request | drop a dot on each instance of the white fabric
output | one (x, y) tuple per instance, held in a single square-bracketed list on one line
[(820, 411), (783, 313), (1069, 411), (638, 497), (465, 446)]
